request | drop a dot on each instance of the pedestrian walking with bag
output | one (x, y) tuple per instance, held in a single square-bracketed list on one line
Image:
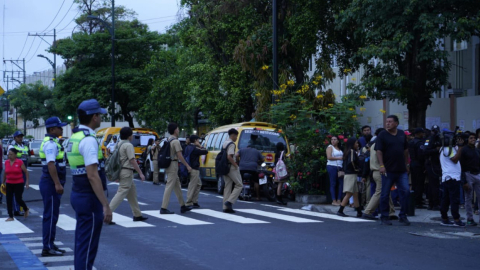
[(154, 152), (351, 168), (233, 178), (281, 174), (194, 150), (13, 179), (335, 170), (126, 187)]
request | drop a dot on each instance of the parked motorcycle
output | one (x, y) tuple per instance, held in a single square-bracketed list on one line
[(267, 186)]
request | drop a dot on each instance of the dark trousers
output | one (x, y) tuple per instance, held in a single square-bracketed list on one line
[(401, 180), (17, 191), (434, 180), (51, 211), (450, 198), (89, 215), (16, 206), (418, 181)]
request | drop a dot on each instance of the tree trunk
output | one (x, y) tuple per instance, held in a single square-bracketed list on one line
[(416, 114)]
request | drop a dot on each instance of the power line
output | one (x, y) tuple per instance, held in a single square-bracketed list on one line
[(26, 39), (66, 13), (33, 41), (40, 43), (54, 17), (70, 22)]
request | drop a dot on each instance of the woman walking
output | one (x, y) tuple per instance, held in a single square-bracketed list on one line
[(13, 177), (280, 153), (334, 169), (351, 167)]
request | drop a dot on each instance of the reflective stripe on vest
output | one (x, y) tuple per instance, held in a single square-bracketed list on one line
[(22, 152), (75, 159)]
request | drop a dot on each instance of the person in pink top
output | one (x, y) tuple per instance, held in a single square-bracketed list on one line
[(13, 177)]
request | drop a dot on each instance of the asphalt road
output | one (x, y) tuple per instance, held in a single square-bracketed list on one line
[(260, 236)]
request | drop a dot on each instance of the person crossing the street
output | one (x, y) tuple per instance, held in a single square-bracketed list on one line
[(111, 145), (51, 183), (126, 187), (22, 154), (195, 150), (173, 181), (154, 154), (233, 178), (89, 182)]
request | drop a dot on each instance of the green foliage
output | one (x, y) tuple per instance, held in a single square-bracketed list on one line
[(7, 129)]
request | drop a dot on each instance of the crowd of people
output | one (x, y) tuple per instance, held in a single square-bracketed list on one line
[(441, 169)]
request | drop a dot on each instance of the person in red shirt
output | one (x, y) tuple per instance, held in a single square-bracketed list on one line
[(13, 178)]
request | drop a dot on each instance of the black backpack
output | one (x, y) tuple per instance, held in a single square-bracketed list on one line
[(164, 158), (222, 166)]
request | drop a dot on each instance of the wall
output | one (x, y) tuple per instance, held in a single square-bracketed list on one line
[(468, 117)]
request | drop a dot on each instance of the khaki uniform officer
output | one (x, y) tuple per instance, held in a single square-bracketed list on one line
[(233, 177), (195, 150), (155, 150), (173, 181)]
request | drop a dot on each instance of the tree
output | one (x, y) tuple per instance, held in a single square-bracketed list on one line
[(7, 129), (87, 55), (401, 46)]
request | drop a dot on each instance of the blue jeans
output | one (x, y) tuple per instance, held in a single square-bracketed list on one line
[(401, 180), (335, 182)]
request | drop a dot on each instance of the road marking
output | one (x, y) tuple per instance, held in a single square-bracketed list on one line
[(206, 194), (67, 267), (244, 201), (176, 218), (29, 170), (36, 187), (26, 239), (56, 259), (219, 197), (323, 215), (226, 216), (277, 216), (269, 205), (39, 251), (128, 222), (66, 223), (114, 183), (140, 203), (41, 244), (13, 227)]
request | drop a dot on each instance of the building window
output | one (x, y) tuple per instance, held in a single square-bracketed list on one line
[(459, 45)]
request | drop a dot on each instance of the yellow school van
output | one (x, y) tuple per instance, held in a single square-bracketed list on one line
[(140, 138), (266, 139)]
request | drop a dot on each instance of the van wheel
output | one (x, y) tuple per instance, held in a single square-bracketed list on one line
[(148, 172), (220, 184)]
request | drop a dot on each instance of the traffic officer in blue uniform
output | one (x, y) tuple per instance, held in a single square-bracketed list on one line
[(52, 183), (89, 183), (22, 155)]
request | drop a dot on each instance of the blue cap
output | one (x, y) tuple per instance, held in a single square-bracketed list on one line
[(91, 106), (17, 133), (54, 122)]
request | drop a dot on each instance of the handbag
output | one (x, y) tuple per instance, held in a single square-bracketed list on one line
[(3, 189), (280, 169), (340, 174)]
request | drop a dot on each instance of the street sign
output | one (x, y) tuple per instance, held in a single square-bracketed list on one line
[(1, 91)]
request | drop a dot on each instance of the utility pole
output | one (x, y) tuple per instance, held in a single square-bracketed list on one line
[(16, 76), (54, 65), (275, 47)]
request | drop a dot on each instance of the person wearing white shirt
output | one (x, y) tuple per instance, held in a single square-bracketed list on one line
[(111, 145), (451, 177)]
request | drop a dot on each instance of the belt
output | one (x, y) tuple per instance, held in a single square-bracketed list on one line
[(124, 168), (174, 159)]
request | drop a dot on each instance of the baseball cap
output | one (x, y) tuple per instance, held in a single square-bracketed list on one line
[(54, 122), (91, 106), (17, 133), (407, 133), (419, 130)]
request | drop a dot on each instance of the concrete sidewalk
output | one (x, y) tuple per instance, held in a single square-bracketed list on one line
[(421, 215)]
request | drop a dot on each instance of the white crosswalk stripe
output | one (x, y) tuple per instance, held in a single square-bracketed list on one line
[(176, 218), (66, 223), (128, 222), (40, 244), (56, 259), (277, 216), (36, 187), (226, 216), (26, 239), (14, 227), (140, 203), (323, 215)]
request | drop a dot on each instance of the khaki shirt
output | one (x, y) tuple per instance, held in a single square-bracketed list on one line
[(175, 147), (374, 165), (127, 153), (231, 148), (155, 150)]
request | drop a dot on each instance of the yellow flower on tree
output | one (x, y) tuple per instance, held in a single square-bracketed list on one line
[(350, 109), (303, 101), (320, 96), (330, 105), (319, 77), (347, 70), (293, 117), (354, 79), (258, 94), (363, 97), (290, 83), (283, 86), (362, 109), (383, 111), (315, 82), (354, 116), (264, 67)]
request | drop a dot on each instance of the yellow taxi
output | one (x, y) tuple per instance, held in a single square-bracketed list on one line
[(140, 138), (266, 139)]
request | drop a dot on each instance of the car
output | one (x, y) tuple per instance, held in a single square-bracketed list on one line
[(65, 147), (34, 152)]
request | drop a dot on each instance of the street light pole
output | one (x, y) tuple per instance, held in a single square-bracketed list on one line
[(53, 66), (111, 30)]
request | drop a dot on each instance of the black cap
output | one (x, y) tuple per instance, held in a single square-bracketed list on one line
[(419, 130)]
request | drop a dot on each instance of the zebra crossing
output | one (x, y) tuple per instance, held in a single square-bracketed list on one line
[(196, 217)]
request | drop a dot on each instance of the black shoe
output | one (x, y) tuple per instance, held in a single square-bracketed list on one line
[(229, 205), (341, 214), (140, 218), (51, 253), (185, 208), (18, 214), (368, 216), (111, 223), (281, 202), (166, 212), (392, 217), (196, 205), (156, 184), (436, 208), (59, 249), (404, 221), (385, 221), (419, 206), (230, 211)]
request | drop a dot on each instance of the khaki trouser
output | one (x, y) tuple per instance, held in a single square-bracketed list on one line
[(375, 200), (155, 171), (232, 178), (194, 187), (126, 189), (173, 184)]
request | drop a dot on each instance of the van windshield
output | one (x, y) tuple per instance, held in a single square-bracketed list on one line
[(262, 140), (142, 139)]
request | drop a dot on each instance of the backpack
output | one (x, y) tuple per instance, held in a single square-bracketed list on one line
[(364, 162), (222, 166), (113, 164), (280, 169), (186, 155), (164, 158)]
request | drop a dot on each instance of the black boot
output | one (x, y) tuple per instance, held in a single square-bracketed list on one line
[(340, 211), (280, 200), (359, 211)]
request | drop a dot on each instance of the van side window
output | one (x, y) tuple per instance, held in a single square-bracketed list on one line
[(225, 137), (205, 141), (211, 141), (218, 143)]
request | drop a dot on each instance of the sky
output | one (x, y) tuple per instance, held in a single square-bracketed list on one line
[(20, 17)]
